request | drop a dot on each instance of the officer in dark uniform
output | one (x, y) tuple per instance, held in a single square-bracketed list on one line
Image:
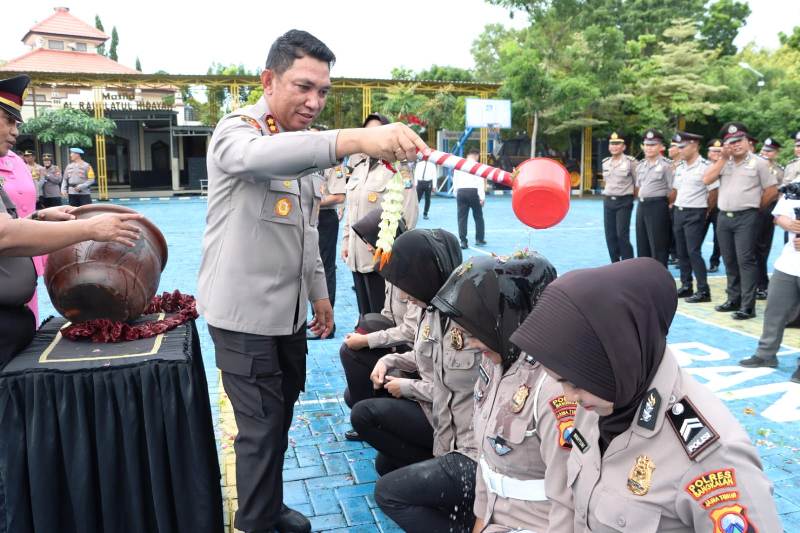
[(714, 152), (618, 180), (653, 186), (766, 230)]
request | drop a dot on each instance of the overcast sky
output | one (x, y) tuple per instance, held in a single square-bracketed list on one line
[(368, 37)]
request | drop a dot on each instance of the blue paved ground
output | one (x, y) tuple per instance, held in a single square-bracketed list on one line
[(332, 480)]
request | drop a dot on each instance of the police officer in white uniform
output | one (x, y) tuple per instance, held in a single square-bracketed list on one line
[(261, 264)]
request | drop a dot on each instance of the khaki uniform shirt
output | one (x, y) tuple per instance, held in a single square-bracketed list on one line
[(78, 178), (777, 170), (37, 173), (792, 170), (419, 360), (618, 175), (741, 185), (646, 482), (365, 191), (51, 184), (335, 181), (260, 261), (527, 410), (403, 314), (654, 179), (692, 192)]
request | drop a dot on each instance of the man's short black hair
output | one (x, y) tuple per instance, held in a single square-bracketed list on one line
[(295, 44), (473, 151)]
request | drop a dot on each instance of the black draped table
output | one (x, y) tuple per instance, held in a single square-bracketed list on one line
[(111, 438)]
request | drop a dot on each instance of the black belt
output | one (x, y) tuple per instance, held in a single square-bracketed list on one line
[(691, 208), (734, 214), (653, 199), (619, 197)]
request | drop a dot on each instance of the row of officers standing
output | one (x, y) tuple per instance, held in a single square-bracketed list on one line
[(53, 185), (733, 190)]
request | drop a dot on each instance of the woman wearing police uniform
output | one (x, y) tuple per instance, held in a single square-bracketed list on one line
[(522, 421), (364, 193), (377, 334), (665, 453), (401, 428)]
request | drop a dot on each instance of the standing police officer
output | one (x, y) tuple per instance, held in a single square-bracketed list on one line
[(51, 186), (332, 189), (693, 202), (78, 179), (713, 154), (37, 173), (653, 186), (766, 223), (618, 179), (792, 170), (746, 185), (261, 263)]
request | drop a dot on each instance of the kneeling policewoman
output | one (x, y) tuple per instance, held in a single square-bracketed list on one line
[(665, 453)]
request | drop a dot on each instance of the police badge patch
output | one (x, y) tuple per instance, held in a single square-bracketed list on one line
[(519, 398), (641, 476), (457, 339)]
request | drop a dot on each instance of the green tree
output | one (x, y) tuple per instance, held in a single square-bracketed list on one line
[(793, 40), (99, 25), (400, 101), (67, 127), (486, 51), (138, 64), (722, 23), (112, 52), (444, 73)]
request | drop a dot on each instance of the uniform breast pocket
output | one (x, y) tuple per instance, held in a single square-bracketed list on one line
[(282, 202), (615, 513), (574, 466), (461, 368)]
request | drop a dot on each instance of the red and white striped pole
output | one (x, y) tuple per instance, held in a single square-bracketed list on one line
[(471, 167)]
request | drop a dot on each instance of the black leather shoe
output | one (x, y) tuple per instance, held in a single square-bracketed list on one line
[(744, 314), (755, 361), (291, 521), (464, 245), (761, 294), (713, 268), (727, 307), (796, 376), (685, 291), (698, 298), (480, 243), (352, 434)]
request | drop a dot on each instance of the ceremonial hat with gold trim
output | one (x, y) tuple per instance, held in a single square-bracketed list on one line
[(11, 91), (616, 138), (715, 144)]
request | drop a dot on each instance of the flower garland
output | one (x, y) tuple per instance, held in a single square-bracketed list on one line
[(392, 206), (103, 330)]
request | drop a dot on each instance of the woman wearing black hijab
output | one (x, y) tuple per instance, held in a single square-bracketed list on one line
[(400, 428), (666, 454), (391, 330), (364, 193)]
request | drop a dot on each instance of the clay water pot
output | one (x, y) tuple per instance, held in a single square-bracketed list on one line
[(91, 280)]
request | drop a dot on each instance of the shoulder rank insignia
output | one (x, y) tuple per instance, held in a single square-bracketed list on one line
[(731, 519), (253, 122), (457, 339), (641, 476), (519, 398), (691, 428), (272, 126), (648, 414), (283, 207)]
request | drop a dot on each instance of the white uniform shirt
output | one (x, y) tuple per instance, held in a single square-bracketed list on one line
[(688, 181), (464, 180), (425, 171), (789, 260)]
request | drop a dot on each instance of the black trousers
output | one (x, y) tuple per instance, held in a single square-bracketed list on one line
[(77, 200), (434, 496), (424, 188), (397, 428), (328, 228), (467, 199), (653, 229), (370, 292), (737, 235), (690, 229), (51, 201), (766, 232), (358, 365), (17, 328), (712, 221), (617, 223), (263, 377)]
